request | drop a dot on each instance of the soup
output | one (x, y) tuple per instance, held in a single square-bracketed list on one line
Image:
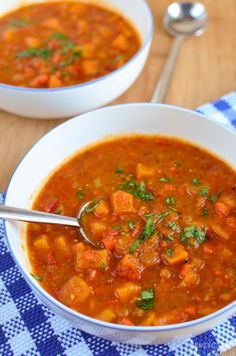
[(164, 212), (58, 44)]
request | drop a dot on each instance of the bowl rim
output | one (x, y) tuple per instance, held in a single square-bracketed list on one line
[(144, 45), (87, 319)]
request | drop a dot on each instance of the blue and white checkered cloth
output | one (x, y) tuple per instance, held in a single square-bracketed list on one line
[(27, 327)]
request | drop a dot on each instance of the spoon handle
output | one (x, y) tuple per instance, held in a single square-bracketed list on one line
[(161, 89), (11, 213)]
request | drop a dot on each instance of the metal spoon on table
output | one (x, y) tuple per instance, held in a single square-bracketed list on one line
[(182, 20), (11, 213)]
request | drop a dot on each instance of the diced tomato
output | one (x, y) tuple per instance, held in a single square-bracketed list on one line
[(50, 259), (50, 204), (109, 242)]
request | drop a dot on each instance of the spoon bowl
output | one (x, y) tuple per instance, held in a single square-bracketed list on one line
[(12, 213), (185, 19)]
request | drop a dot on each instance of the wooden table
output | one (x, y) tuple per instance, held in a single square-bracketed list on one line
[(206, 70)]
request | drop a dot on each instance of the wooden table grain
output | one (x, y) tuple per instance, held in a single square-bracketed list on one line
[(206, 70)]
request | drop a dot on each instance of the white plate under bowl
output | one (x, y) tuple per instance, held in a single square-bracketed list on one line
[(74, 134), (70, 101)]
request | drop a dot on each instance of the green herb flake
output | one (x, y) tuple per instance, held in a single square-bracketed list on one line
[(199, 235), (119, 171), (71, 59), (195, 182), (164, 179), (44, 53), (92, 206), (58, 211), (169, 252), (147, 232), (117, 227), (18, 23), (131, 225), (80, 194), (103, 266), (58, 36), (212, 199), (173, 226), (170, 237), (37, 277), (203, 191), (176, 164), (139, 191), (170, 201), (146, 299), (204, 212)]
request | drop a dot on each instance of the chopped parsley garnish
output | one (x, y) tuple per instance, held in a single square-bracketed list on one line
[(18, 23), (92, 206), (146, 299), (176, 164), (58, 36), (170, 237), (170, 201), (173, 226), (199, 235), (137, 190), (80, 194), (195, 182), (37, 277), (204, 212), (169, 252), (131, 225), (212, 199), (120, 57), (119, 171), (117, 227), (44, 53), (203, 191), (147, 232), (58, 211), (162, 216), (164, 179), (102, 266), (71, 59)]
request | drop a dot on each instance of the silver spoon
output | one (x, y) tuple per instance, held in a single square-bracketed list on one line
[(182, 20), (11, 213)]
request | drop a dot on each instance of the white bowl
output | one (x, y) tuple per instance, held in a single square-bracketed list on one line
[(70, 101), (74, 134)]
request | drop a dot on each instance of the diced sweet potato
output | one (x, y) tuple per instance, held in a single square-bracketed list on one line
[(9, 34), (54, 81), (97, 228), (222, 209), (41, 242), (143, 171), (90, 66), (75, 292), (88, 258), (106, 315), (229, 198), (129, 268), (191, 279), (122, 202), (102, 209), (61, 246), (231, 222), (52, 23), (221, 232), (127, 291), (121, 42), (32, 42), (149, 319), (179, 256)]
